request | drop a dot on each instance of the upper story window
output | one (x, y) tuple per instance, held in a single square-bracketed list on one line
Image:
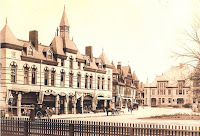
[(161, 87), (79, 65), (30, 50), (181, 84), (108, 83), (79, 80), (46, 76), (71, 62), (13, 66), (33, 74), (50, 55), (91, 83), (26, 74), (102, 83), (71, 79), (62, 62), (53, 76), (98, 83), (62, 77), (153, 92), (86, 81), (169, 92)]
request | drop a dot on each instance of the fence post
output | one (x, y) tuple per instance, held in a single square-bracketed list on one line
[(131, 130), (71, 129), (25, 128)]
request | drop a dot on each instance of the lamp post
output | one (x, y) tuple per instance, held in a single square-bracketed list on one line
[(11, 101)]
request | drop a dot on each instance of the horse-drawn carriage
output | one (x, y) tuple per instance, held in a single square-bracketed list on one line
[(40, 110)]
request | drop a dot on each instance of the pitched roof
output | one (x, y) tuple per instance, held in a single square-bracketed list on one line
[(70, 44), (114, 69), (57, 44), (125, 70), (64, 20), (134, 76), (173, 74), (8, 37), (104, 59)]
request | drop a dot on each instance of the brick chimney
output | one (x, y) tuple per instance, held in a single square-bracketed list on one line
[(88, 52), (119, 66), (33, 38)]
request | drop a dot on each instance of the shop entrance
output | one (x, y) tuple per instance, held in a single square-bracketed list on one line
[(153, 102), (49, 101), (87, 104)]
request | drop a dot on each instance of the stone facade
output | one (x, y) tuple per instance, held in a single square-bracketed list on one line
[(57, 76)]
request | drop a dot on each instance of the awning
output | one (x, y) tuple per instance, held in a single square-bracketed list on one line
[(103, 98)]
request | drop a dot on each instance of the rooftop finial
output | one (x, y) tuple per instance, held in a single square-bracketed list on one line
[(6, 20), (64, 7)]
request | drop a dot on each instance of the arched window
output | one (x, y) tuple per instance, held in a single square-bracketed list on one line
[(98, 83), (108, 83), (102, 83), (71, 62), (26, 73), (62, 78), (34, 74), (49, 55), (91, 83), (79, 80), (53, 76), (30, 50), (13, 72), (86, 81), (71, 79), (46, 76)]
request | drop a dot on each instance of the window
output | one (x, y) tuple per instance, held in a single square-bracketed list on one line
[(161, 87), (169, 92), (102, 83), (26, 74), (30, 51), (62, 78), (13, 72), (91, 82), (86, 81), (53, 73), (79, 80), (169, 100), (153, 92), (159, 101), (163, 100), (108, 83), (98, 83), (62, 62), (46, 76), (71, 63), (34, 74), (49, 55), (79, 65), (71, 79), (88, 62), (180, 87)]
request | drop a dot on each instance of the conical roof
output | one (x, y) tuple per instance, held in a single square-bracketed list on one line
[(64, 20), (104, 59), (8, 37)]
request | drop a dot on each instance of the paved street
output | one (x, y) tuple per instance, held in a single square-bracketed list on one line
[(128, 117)]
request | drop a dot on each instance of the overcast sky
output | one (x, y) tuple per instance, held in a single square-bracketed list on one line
[(141, 33)]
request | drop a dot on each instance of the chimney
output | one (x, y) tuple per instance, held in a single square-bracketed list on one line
[(119, 66), (33, 38), (88, 52)]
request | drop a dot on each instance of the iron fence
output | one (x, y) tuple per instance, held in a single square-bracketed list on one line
[(56, 127)]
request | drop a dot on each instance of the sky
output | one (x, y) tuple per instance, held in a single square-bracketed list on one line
[(140, 33)]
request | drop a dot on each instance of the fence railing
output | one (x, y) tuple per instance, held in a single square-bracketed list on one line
[(54, 127)]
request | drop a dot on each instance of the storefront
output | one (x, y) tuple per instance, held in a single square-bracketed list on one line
[(87, 103)]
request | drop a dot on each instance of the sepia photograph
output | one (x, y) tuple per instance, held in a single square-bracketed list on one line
[(100, 67)]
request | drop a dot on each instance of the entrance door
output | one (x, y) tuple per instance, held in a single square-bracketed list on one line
[(153, 102)]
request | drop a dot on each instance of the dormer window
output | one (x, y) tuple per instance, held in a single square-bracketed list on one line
[(30, 50), (88, 62), (49, 55), (100, 64)]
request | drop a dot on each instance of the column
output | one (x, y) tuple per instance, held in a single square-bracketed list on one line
[(57, 104), (105, 103), (19, 99), (94, 105), (66, 102), (74, 100), (82, 104)]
